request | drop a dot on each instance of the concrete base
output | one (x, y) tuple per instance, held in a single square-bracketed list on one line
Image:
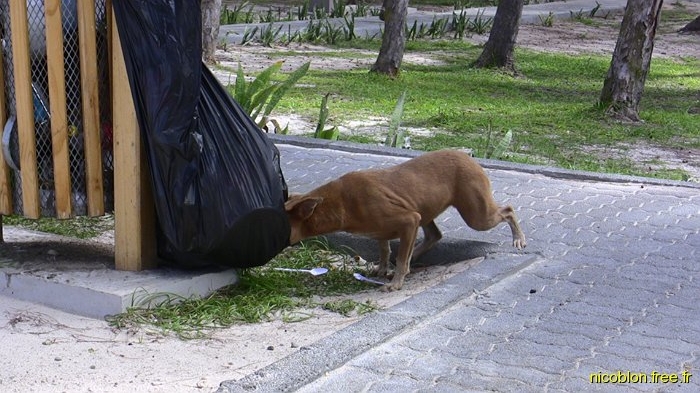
[(79, 276)]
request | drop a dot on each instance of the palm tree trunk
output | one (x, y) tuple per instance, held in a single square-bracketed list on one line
[(624, 83), (498, 50), (394, 38), (211, 19)]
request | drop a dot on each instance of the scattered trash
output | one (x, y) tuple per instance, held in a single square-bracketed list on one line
[(317, 271), (360, 277)]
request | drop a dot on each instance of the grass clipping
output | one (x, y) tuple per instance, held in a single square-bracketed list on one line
[(261, 294)]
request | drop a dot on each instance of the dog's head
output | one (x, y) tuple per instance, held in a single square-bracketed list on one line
[(299, 209)]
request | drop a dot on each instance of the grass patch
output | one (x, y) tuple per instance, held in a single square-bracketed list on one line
[(551, 107), (82, 227), (262, 294)]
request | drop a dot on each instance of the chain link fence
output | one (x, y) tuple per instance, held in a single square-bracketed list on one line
[(73, 99)]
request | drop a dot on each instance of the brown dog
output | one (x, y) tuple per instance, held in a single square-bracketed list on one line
[(391, 203)]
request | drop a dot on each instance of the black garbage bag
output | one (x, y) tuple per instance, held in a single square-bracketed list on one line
[(218, 186)]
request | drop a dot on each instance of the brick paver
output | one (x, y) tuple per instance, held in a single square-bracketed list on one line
[(615, 287)]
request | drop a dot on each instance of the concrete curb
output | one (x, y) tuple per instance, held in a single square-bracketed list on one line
[(552, 172)]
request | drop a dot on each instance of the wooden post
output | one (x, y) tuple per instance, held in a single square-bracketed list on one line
[(5, 184), (91, 107), (25, 109), (134, 215), (57, 102)]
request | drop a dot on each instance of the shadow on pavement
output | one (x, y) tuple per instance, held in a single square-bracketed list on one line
[(447, 251)]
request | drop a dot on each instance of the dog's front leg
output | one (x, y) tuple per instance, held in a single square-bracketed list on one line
[(407, 239), (384, 252)]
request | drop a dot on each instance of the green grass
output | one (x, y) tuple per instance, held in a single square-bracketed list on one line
[(550, 107), (262, 294), (81, 227)]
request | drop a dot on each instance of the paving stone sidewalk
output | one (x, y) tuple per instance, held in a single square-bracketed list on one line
[(608, 287)]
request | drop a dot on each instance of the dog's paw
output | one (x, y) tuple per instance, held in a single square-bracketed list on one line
[(519, 243), (379, 272), (389, 288), (392, 286)]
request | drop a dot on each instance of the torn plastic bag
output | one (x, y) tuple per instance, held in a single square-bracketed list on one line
[(217, 182)]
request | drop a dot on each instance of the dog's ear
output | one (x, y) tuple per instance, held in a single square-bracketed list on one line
[(294, 196), (302, 207), (293, 200)]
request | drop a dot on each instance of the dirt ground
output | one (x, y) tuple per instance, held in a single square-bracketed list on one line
[(565, 36)]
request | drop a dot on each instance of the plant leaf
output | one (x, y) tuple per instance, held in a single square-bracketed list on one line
[(502, 145), (259, 99), (395, 121), (240, 89), (286, 85), (330, 134), (263, 79), (322, 116)]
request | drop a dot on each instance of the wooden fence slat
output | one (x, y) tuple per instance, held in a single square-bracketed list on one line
[(5, 185), (25, 108), (134, 213), (57, 102), (89, 82)]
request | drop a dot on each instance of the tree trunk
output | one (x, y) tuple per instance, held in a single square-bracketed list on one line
[(211, 18), (499, 49), (394, 38), (624, 83)]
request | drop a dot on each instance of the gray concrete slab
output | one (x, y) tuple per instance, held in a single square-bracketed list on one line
[(79, 276)]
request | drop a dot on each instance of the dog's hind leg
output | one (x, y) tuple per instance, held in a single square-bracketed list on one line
[(431, 235), (508, 215), (487, 215)]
